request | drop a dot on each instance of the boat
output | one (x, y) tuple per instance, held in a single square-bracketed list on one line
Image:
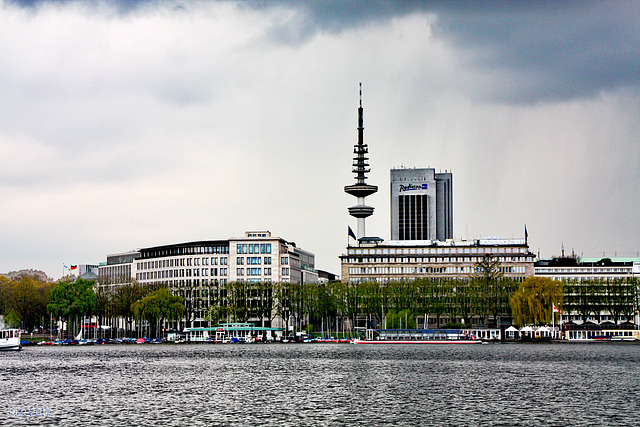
[(10, 339), (575, 334), (417, 336)]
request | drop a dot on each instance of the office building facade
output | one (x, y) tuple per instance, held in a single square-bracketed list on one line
[(384, 262), (421, 204), (199, 271)]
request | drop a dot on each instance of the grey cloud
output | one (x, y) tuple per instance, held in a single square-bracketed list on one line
[(560, 51), (122, 6), (545, 51)]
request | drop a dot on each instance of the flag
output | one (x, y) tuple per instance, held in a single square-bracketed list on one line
[(526, 235), (64, 266), (74, 267), (351, 233), (556, 309)]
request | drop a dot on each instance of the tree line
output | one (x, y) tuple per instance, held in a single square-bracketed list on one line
[(483, 298), (30, 303)]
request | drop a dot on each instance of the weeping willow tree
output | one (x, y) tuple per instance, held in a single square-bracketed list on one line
[(532, 303), (158, 306)]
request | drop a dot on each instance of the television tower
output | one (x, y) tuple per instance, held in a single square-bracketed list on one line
[(360, 167)]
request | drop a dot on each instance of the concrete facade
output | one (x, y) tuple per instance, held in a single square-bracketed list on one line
[(198, 270), (406, 260), (421, 204)]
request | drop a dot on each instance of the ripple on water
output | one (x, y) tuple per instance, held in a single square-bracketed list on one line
[(327, 384)]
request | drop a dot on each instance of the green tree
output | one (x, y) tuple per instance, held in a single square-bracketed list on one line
[(72, 300), (123, 300), (237, 301), (158, 306), (348, 297), (28, 298), (5, 295), (532, 303), (263, 300), (485, 282)]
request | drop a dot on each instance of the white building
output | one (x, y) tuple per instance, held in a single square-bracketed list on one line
[(197, 270), (574, 268), (379, 261)]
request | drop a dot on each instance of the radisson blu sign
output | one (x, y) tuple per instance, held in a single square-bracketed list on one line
[(411, 187)]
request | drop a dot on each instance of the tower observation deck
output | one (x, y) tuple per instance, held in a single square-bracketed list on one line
[(360, 189)]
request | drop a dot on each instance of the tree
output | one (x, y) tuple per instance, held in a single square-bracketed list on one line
[(5, 295), (620, 297), (533, 302), (485, 283), (123, 300), (158, 306), (71, 300), (27, 299), (238, 301), (263, 300)]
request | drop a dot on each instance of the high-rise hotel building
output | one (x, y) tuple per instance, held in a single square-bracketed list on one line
[(421, 205)]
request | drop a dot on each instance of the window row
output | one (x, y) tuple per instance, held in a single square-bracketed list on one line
[(188, 272), (181, 262), (253, 248), (441, 260), (254, 260), (437, 251), (253, 271)]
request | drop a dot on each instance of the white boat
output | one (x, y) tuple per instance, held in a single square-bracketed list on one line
[(10, 339), (460, 341), (418, 336)]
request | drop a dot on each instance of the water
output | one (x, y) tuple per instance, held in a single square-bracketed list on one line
[(322, 384)]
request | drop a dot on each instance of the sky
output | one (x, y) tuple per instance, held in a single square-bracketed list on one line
[(126, 125)]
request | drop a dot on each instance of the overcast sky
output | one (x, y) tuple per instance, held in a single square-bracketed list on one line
[(171, 121)]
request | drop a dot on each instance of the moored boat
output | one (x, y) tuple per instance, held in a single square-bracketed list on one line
[(10, 339), (604, 335), (418, 336)]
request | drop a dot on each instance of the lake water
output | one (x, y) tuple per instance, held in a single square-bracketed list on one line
[(322, 384)]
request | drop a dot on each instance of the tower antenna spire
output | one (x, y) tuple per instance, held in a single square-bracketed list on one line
[(360, 168)]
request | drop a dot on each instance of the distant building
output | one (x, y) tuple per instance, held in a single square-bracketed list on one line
[(118, 270), (598, 293), (88, 271), (577, 268), (326, 277), (198, 270), (380, 261), (421, 205)]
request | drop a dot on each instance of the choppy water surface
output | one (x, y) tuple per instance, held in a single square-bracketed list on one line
[(323, 384)]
